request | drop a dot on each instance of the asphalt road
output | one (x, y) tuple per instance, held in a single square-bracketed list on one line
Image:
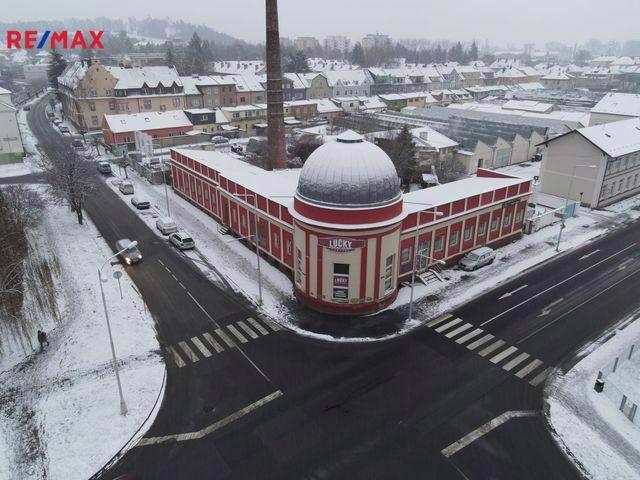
[(281, 406)]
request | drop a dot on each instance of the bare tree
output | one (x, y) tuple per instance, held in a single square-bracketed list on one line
[(70, 179), (449, 169), (25, 205)]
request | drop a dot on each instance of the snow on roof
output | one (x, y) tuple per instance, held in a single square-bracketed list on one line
[(273, 184), (244, 108), (325, 105), (452, 191), (4, 91), (133, 122), (73, 74), (139, 76), (346, 77), (429, 136), (196, 111), (557, 75), (372, 102), (528, 106), (619, 104), (390, 97), (615, 138)]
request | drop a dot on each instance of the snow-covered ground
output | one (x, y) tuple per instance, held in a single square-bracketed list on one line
[(59, 409), (588, 425), (238, 268)]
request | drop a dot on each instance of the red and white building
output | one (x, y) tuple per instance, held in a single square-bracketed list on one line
[(341, 225), (121, 129)]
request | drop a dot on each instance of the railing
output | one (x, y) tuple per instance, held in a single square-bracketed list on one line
[(619, 372)]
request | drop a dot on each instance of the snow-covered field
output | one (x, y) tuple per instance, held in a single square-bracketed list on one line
[(59, 409), (587, 424)]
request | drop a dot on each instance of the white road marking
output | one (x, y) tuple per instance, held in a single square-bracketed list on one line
[(217, 347), (537, 380), (236, 333), (515, 362), (624, 264), (161, 262), (200, 346), (246, 328), (225, 338), (176, 357), (201, 308), (439, 319), (469, 336), (502, 355), (529, 368), (188, 352), (180, 283), (589, 254), (477, 343), (448, 325), (559, 283), (257, 326), (494, 346), (508, 294), (270, 323), (547, 310), (175, 278), (483, 430), (181, 437), (458, 330)]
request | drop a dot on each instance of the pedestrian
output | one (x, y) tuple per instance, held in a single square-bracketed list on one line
[(42, 339)]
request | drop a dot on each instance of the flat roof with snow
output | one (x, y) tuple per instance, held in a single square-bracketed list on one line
[(619, 104), (133, 122)]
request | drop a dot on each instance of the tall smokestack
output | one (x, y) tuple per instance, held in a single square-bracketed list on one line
[(275, 112)]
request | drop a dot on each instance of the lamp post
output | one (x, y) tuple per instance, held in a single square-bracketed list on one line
[(256, 239), (566, 202), (123, 405), (415, 251), (164, 180)]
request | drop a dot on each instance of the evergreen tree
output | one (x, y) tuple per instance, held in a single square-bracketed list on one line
[(57, 65), (456, 53), (473, 52), (194, 61), (207, 54), (357, 55), (170, 57), (403, 154), (296, 63)]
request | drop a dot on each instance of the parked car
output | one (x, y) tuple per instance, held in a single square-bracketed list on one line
[(51, 115), (182, 240), (477, 258), (56, 121), (129, 255), (26, 108), (64, 129), (140, 203), (166, 225), (77, 144), (219, 139), (126, 188), (104, 167)]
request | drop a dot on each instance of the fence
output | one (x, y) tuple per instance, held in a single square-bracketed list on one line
[(548, 217), (620, 377)]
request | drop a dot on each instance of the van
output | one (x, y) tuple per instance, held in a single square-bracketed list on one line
[(126, 188), (166, 225), (477, 258)]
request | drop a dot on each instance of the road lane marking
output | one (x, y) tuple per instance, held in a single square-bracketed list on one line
[(589, 254), (439, 319), (477, 343), (200, 346), (458, 330), (236, 333), (624, 264), (448, 325), (502, 355), (559, 283), (225, 338), (547, 310), (494, 346), (176, 357), (246, 328), (537, 380), (511, 364), (216, 346), (270, 323), (508, 294), (257, 326), (188, 352), (484, 429), (469, 336), (202, 308), (181, 437), (529, 368)]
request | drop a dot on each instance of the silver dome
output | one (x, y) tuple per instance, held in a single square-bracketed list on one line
[(349, 172)]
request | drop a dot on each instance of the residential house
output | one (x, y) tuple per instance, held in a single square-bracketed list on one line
[(208, 91), (206, 120), (244, 117), (121, 129), (558, 80), (348, 83), (318, 85), (614, 107), (301, 109), (11, 148)]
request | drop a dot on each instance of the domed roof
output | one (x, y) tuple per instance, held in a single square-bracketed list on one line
[(349, 172)]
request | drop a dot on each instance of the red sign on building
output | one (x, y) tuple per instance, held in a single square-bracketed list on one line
[(338, 244)]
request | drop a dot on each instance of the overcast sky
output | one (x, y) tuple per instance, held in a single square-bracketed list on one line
[(499, 21)]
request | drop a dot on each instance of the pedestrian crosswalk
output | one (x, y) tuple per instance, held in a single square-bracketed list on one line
[(207, 344), (496, 350)]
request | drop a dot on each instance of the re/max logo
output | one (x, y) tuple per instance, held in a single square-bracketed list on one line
[(52, 39)]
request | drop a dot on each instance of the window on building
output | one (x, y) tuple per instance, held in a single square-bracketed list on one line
[(423, 254), (519, 215), (288, 246), (506, 221), (176, 102), (628, 184), (620, 186), (340, 282), (112, 105), (453, 238), (276, 241), (163, 108), (468, 233), (92, 106), (494, 223), (147, 104), (94, 120), (612, 189), (406, 255), (236, 115), (635, 180), (482, 228), (126, 139), (242, 99)]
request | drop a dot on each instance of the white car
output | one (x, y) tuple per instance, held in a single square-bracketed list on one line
[(166, 225), (182, 240), (477, 258), (140, 203)]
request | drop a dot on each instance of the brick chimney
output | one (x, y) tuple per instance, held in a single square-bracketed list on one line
[(276, 155)]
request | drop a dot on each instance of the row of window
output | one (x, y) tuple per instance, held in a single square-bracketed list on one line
[(622, 185), (628, 161)]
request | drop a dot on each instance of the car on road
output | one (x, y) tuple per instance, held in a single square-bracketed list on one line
[(182, 240), (477, 258), (166, 225), (219, 140), (77, 144), (140, 203), (64, 129), (104, 167), (26, 108), (126, 188), (51, 115), (129, 255), (56, 121)]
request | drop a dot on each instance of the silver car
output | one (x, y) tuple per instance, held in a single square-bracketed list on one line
[(129, 255), (477, 258), (182, 240)]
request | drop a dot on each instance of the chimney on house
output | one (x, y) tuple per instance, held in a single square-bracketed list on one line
[(276, 156)]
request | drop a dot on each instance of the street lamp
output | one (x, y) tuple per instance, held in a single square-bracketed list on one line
[(164, 180), (415, 250), (123, 405), (256, 239), (566, 202)]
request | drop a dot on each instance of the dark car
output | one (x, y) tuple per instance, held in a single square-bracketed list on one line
[(26, 108), (129, 255)]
